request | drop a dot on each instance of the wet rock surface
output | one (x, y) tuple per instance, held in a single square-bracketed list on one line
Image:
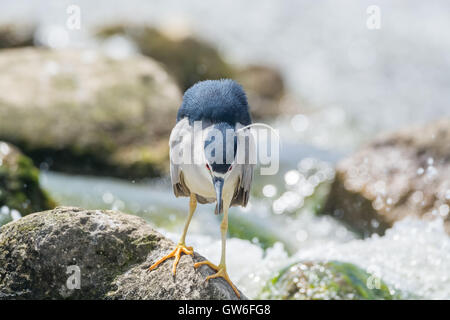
[(325, 281), (82, 112), (406, 173), (112, 251), (20, 191)]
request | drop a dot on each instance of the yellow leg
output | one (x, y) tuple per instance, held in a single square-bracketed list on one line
[(181, 246), (221, 268)]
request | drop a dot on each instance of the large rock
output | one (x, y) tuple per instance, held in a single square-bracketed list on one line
[(83, 112), (400, 174), (334, 280), (43, 254), (187, 58), (20, 192)]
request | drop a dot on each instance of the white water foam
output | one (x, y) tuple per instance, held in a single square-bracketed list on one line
[(412, 258)]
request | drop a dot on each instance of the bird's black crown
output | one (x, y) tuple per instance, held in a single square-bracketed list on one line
[(215, 101)]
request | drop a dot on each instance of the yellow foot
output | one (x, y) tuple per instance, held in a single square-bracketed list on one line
[(180, 248), (221, 272)]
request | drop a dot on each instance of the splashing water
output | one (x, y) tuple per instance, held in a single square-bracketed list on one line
[(248, 271), (412, 258)]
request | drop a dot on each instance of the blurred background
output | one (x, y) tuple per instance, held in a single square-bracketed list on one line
[(358, 90)]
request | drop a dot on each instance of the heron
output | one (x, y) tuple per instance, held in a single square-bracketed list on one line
[(218, 107)]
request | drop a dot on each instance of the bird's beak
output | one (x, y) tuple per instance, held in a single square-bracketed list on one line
[(218, 186)]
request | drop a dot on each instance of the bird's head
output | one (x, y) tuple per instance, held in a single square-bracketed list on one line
[(220, 148)]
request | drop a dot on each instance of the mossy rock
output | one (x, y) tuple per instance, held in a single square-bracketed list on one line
[(80, 111), (332, 280), (19, 184), (41, 254), (188, 59)]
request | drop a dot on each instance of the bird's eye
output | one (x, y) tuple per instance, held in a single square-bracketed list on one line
[(231, 167), (207, 167)]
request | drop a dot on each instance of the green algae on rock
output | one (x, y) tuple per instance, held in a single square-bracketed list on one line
[(326, 281), (108, 251), (19, 184), (80, 111)]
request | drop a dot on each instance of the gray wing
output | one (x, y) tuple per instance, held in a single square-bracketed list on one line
[(242, 192), (176, 174)]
